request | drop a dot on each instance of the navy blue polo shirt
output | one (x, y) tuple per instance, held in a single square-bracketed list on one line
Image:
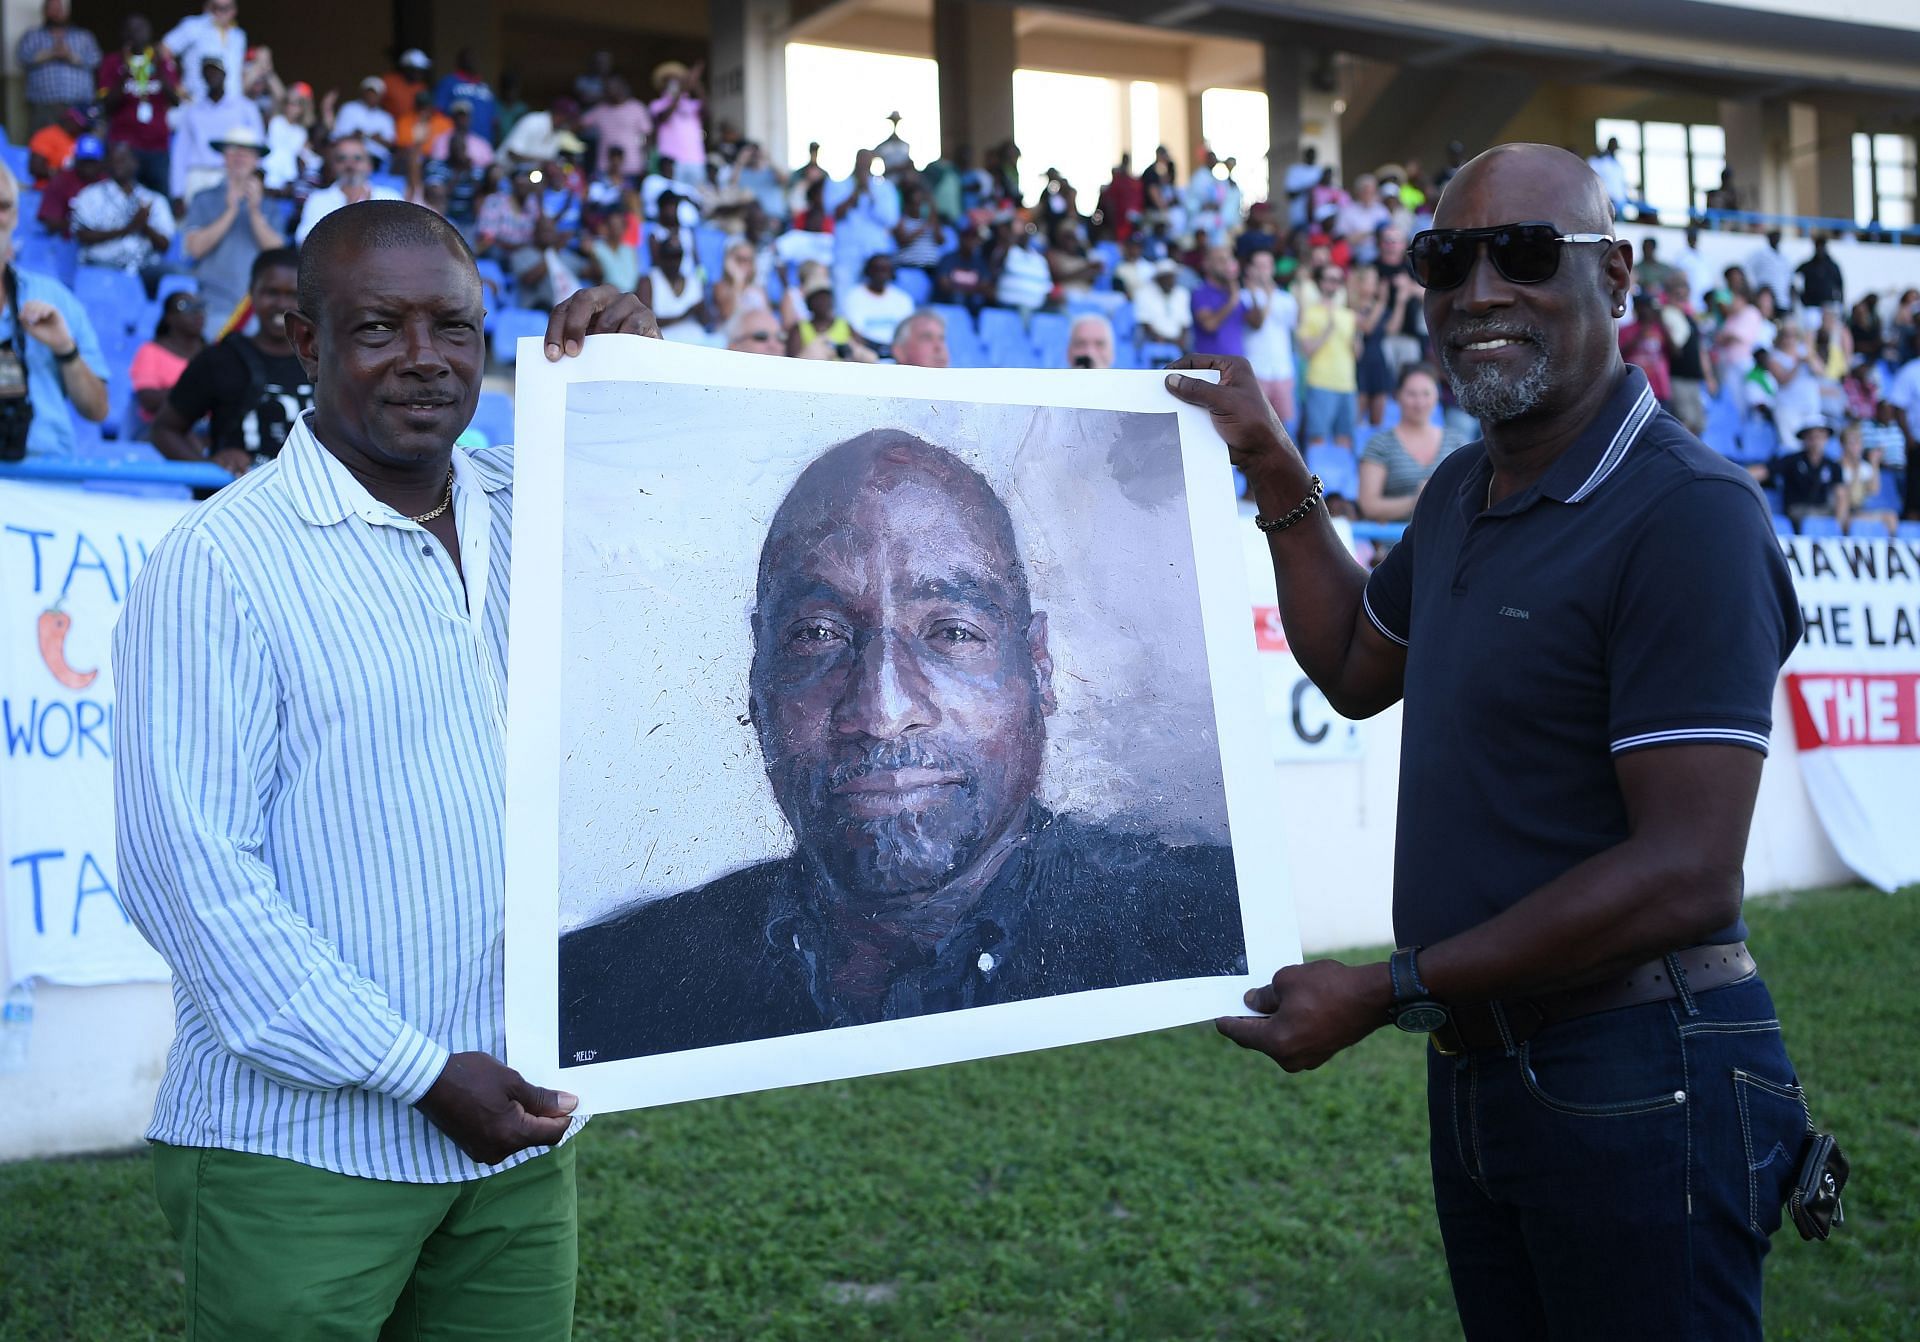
[(1633, 597)]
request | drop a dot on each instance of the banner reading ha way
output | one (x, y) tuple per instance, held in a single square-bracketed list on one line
[(1853, 685), (67, 557)]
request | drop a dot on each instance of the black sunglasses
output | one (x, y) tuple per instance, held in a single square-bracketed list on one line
[(1442, 258)]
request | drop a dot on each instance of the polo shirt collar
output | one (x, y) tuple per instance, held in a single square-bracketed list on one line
[(325, 492), (1587, 464)]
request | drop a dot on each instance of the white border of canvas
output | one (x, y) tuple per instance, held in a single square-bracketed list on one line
[(533, 727)]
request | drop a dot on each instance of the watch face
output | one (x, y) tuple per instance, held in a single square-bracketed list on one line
[(1421, 1017)]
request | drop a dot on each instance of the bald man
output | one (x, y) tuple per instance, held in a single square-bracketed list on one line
[(1585, 622), (900, 690)]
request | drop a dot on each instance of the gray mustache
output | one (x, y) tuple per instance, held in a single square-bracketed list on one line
[(888, 756)]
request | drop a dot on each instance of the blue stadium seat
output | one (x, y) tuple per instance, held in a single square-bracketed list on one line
[(36, 249), (1759, 441), (1048, 329), (392, 181), (710, 250), (1908, 531), (511, 325), (1817, 525), (1001, 324), (1336, 467), (493, 416), (917, 283), (1782, 526), (954, 315), (176, 284), (1011, 351), (111, 296), (1157, 353), (17, 156)]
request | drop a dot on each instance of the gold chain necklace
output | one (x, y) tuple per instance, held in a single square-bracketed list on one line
[(445, 503)]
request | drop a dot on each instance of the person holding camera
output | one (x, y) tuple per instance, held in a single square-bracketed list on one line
[(49, 355)]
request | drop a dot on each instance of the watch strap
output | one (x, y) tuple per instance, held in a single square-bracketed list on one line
[(1404, 967)]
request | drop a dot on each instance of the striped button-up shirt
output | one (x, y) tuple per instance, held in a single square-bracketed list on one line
[(309, 770)]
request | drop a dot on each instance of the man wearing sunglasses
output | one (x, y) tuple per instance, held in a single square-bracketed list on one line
[(1584, 622)]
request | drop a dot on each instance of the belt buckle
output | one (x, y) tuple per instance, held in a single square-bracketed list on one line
[(1440, 1048)]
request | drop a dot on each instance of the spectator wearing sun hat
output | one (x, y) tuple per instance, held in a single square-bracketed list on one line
[(678, 92), (227, 226)]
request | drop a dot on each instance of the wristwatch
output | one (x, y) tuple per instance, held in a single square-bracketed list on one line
[(1412, 1009)]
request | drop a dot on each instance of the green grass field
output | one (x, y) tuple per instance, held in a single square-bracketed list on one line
[(1167, 1186)]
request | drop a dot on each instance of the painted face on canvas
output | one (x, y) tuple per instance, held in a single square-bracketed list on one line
[(900, 677)]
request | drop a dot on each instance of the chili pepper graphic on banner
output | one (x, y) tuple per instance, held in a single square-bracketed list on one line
[(54, 624)]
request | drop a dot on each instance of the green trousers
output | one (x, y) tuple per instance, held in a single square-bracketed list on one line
[(276, 1249)]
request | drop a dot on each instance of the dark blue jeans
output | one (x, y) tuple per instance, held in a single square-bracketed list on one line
[(1618, 1175)]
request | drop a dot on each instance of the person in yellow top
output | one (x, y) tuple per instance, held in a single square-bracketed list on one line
[(1328, 339), (824, 334)]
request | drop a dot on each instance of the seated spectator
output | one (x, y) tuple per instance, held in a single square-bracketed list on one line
[(464, 85), (1863, 326), (367, 119), (1023, 281), (1809, 481), (1259, 235), (609, 257), (676, 293), (227, 227), (1272, 316), (739, 287), (1360, 219), (139, 87), (1074, 269), (1650, 273), (1396, 463), (1645, 343), (1860, 485), (193, 164), (249, 387), (878, 306), (1882, 439), (1163, 311), (416, 130), (918, 235), (866, 209), (64, 365), (1090, 342), (1329, 341), (823, 333), (462, 131), (158, 364), (965, 274), (50, 148), (455, 185), (921, 341), (290, 151), (755, 331), (352, 165), (1135, 271), (540, 136), (1796, 392), (87, 165), (120, 224)]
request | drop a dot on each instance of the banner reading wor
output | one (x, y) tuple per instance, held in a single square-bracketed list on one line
[(1853, 685), (67, 557)]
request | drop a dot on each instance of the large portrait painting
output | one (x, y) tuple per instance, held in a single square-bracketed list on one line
[(871, 717)]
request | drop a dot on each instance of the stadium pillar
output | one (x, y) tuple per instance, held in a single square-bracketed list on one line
[(1285, 82), (16, 17), (1831, 196), (974, 46), (747, 69), (1758, 153)]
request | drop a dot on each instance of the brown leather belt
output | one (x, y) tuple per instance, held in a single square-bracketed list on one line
[(1475, 1024)]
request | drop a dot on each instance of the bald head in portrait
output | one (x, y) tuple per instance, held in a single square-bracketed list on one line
[(900, 692)]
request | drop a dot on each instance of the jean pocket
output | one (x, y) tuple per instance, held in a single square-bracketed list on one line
[(1609, 1065), (1774, 1121)]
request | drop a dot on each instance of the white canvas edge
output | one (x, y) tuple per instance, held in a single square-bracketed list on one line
[(533, 718)]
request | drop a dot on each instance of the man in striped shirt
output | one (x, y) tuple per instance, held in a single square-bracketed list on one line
[(1584, 625), (309, 777)]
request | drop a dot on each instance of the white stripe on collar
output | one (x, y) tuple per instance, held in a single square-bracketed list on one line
[(1636, 418)]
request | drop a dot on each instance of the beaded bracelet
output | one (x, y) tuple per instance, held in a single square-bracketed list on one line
[(1275, 525)]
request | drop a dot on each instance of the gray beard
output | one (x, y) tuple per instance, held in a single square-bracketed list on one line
[(1492, 397)]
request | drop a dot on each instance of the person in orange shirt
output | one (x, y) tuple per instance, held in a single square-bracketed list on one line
[(408, 77), (419, 128), (50, 148)]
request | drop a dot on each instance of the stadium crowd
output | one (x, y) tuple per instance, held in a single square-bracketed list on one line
[(155, 210)]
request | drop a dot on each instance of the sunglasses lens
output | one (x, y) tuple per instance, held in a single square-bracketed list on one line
[(1526, 254), (1441, 260)]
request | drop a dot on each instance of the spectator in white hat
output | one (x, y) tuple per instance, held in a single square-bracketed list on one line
[(227, 226)]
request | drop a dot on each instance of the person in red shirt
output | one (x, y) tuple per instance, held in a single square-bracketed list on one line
[(1646, 345), (138, 84), (87, 166), (1122, 200)]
